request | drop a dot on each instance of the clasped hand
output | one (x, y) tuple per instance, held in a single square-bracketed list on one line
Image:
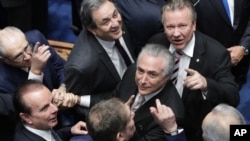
[(63, 99)]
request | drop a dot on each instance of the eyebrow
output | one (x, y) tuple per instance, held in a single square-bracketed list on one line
[(108, 18), (44, 107), (19, 54)]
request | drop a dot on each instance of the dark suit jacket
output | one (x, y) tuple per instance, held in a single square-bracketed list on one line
[(219, 27), (146, 128), (12, 77), (22, 134), (142, 19), (90, 71), (214, 64)]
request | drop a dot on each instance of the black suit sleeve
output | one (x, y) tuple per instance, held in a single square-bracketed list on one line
[(6, 105)]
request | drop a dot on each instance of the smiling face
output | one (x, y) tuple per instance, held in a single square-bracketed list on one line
[(150, 74), (108, 22), (179, 26), (43, 114)]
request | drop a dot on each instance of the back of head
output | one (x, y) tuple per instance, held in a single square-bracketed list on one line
[(157, 50), (106, 119), (216, 125), (8, 36)]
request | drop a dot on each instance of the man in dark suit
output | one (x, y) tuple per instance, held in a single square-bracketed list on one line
[(149, 79), (232, 31), (33, 104), (113, 120), (95, 66), (22, 58), (204, 78)]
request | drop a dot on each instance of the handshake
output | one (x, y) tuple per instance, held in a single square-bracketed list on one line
[(62, 99)]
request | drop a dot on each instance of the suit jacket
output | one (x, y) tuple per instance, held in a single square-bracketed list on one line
[(141, 15), (12, 77), (22, 134), (219, 27), (146, 128), (90, 71), (212, 61)]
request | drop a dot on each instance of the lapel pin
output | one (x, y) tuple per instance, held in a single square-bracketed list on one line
[(197, 60)]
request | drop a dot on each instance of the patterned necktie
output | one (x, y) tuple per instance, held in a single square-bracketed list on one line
[(138, 103), (55, 135), (123, 53), (176, 67)]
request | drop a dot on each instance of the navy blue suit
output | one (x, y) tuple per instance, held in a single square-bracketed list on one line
[(22, 134), (142, 19), (12, 77)]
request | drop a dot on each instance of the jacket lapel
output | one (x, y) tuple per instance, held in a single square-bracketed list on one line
[(221, 10), (104, 57)]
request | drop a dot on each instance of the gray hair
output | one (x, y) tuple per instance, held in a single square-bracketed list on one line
[(157, 50), (7, 33), (172, 5), (218, 128)]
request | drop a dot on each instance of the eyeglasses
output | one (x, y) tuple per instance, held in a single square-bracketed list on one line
[(20, 56)]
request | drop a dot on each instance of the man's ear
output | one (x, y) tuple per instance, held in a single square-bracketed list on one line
[(26, 118), (91, 29), (119, 136)]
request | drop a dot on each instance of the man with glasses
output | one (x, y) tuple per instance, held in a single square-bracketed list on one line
[(22, 57)]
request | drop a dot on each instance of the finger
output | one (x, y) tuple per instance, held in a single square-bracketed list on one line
[(130, 100), (36, 47), (158, 105), (190, 72)]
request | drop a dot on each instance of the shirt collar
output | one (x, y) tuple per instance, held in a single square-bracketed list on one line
[(188, 50), (149, 96), (106, 44), (45, 134)]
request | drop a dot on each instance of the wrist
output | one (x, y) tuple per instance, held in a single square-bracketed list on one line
[(245, 50), (78, 100), (172, 133)]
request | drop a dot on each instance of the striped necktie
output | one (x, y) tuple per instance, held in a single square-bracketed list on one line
[(174, 75)]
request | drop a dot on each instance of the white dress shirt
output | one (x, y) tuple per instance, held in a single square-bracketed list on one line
[(184, 63), (45, 134)]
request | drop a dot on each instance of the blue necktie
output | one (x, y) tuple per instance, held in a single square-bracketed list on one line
[(55, 135), (225, 3)]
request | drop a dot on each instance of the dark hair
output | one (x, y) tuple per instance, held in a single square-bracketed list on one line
[(20, 92), (106, 119), (86, 10)]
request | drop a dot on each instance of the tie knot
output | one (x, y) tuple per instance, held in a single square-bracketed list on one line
[(139, 101)]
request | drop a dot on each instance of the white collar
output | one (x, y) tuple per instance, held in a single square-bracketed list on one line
[(45, 134), (188, 50)]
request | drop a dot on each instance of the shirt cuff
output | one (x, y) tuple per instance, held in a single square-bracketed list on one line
[(34, 76), (85, 100)]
